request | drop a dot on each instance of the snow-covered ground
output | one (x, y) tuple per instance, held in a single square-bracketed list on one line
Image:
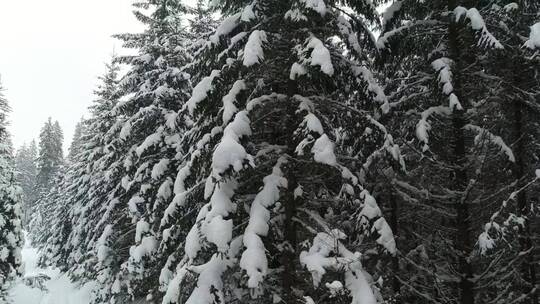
[(60, 289)]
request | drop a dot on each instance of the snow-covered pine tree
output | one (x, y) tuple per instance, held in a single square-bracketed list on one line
[(83, 186), (77, 140), (26, 174), (50, 157), (89, 185), (201, 26), (57, 206), (439, 59), (282, 126), (512, 230), (50, 165), (11, 237), (49, 210), (116, 227), (61, 203)]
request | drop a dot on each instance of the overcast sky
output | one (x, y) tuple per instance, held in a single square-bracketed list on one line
[(50, 55)]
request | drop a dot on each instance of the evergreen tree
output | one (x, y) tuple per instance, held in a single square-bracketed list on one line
[(25, 162), (201, 26), (50, 166), (281, 117), (257, 160), (11, 238), (50, 157), (514, 222), (439, 57), (154, 88), (84, 184), (77, 141)]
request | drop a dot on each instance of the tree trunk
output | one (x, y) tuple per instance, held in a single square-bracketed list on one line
[(290, 247), (528, 273), (459, 179)]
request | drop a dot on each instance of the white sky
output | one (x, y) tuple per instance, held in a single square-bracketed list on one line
[(51, 53)]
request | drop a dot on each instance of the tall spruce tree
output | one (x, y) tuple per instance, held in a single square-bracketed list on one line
[(50, 157), (440, 58), (284, 111), (11, 237), (513, 228), (50, 166), (26, 167), (130, 163), (77, 140), (84, 184), (271, 179)]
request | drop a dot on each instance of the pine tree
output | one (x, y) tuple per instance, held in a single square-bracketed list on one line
[(25, 162), (129, 158), (11, 238), (155, 86), (514, 222), (84, 185), (50, 158), (283, 113), (439, 58), (201, 26), (50, 166), (77, 141)]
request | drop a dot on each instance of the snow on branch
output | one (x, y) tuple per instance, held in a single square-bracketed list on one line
[(389, 147), (347, 31), (173, 285), (485, 240), (371, 211), (159, 168), (200, 91), (478, 24), (373, 87), (180, 192), (443, 67), (323, 151), (226, 27), (423, 126), (534, 37), (253, 51), (382, 41), (317, 5), (247, 13), (297, 69), (320, 55), (103, 248), (209, 288), (493, 139), (229, 152), (151, 140), (389, 13), (323, 147), (328, 253), (146, 245), (213, 224), (254, 260), (294, 14), (229, 108)]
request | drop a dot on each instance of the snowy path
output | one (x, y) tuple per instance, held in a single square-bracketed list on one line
[(60, 289)]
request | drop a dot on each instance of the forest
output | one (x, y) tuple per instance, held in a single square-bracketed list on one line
[(293, 151)]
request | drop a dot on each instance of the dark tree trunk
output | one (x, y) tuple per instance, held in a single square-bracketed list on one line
[(459, 179), (528, 272), (290, 247), (394, 224)]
